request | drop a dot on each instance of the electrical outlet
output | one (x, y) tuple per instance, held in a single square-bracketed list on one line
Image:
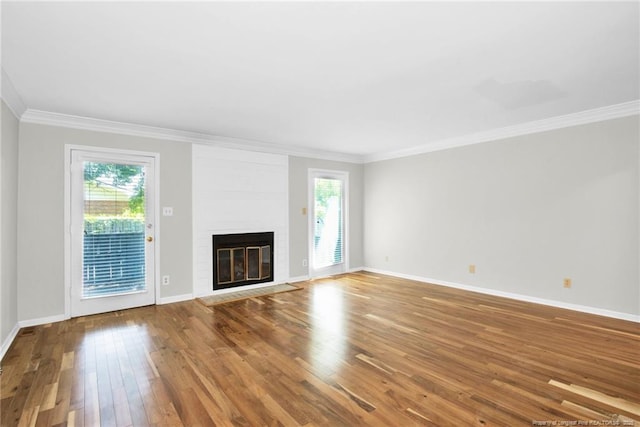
[(167, 211), (567, 282), (165, 280), (472, 268)]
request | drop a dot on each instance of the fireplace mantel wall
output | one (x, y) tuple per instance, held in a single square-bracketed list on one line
[(238, 191)]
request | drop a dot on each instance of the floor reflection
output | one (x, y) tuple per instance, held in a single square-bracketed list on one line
[(328, 338), (115, 357)]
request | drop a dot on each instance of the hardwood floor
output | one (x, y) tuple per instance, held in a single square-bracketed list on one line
[(357, 349)]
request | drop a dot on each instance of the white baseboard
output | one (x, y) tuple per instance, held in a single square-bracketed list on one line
[(42, 321), (307, 277), (298, 279), (175, 298), (9, 340), (519, 297)]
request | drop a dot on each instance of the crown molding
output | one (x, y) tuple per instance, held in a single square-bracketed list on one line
[(99, 125), (575, 119), (10, 96)]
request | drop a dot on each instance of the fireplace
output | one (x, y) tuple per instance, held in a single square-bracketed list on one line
[(242, 259)]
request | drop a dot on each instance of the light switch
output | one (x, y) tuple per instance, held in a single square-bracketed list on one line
[(167, 211)]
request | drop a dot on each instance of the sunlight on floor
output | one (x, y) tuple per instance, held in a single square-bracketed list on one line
[(329, 331)]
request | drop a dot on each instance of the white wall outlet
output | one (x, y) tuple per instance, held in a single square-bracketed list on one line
[(165, 280), (167, 211)]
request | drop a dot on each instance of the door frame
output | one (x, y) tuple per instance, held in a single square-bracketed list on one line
[(332, 174), (68, 273)]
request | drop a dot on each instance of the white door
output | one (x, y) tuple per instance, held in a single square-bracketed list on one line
[(112, 231), (327, 228)]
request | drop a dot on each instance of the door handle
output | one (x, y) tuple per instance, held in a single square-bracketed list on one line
[(149, 239)]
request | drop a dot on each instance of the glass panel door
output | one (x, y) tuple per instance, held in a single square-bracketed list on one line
[(112, 232), (327, 223)]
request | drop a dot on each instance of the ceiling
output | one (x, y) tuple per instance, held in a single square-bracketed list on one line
[(358, 78)]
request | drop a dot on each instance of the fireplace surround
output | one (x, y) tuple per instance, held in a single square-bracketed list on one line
[(242, 259)]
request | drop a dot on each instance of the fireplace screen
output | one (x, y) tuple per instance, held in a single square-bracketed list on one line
[(241, 259), (258, 262), (242, 264)]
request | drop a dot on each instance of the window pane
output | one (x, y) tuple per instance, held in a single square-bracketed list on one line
[(328, 234), (114, 219)]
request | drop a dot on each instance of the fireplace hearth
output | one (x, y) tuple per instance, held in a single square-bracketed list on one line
[(242, 259)]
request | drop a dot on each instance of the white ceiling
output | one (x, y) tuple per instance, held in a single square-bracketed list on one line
[(359, 78)]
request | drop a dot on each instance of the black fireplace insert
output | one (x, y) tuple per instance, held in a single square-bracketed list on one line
[(242, 259)]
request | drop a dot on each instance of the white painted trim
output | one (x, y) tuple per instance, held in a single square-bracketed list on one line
[(11, 96), (519, 297), (68, 148), (298, 279), (2, 285), (175, 298), (99, 125), (575, 119), (308, 278), (194, 243), (6, 344), (41, 321), (157, 235), (29, 115)]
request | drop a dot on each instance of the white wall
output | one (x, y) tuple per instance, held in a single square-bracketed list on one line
[(527, 211), (41, 291), (238, 191), (8, 227)]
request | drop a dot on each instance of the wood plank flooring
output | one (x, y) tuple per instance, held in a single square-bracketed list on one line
[(356, 349)]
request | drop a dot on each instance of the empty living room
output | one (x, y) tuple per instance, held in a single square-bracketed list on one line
[(331, 213)]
